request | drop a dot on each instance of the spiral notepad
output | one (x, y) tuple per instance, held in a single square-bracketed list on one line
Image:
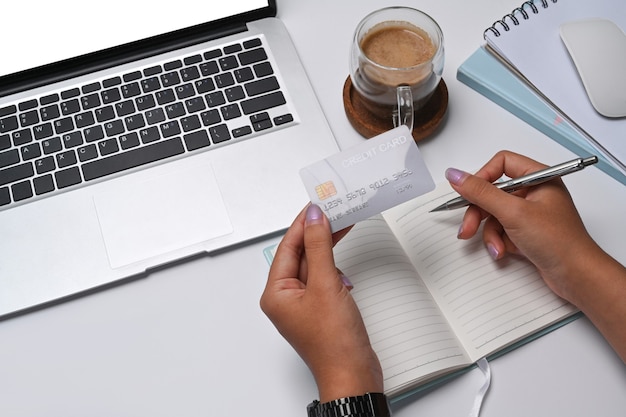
[(528, 40)]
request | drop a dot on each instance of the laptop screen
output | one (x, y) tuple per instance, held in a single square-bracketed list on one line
[(36, 33)]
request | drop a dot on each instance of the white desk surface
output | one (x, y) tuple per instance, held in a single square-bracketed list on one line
[(190, 340)]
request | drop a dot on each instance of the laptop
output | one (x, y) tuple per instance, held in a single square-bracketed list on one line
[(134, 135)]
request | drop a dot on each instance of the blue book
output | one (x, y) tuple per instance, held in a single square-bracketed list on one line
[(489, 76)]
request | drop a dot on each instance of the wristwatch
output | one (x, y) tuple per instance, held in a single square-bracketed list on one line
[(372, 404)]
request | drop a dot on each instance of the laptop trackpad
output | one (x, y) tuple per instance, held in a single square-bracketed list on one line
[(148, 218)]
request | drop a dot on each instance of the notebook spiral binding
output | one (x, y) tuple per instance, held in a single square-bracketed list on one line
[(513, 17)]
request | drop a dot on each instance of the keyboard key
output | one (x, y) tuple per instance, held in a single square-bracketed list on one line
[(16, 173), (72, 139), (8, 110), (231, 111), (70, 107), (110, 82), (228, 63), (5, 196), (189, 73), (263, 69), (215, 99), (49, 112), (252, 43), (219, 133), (149, 135), (129, 140), (265, 85), (31, 151), (92, 134), (90, 88), (74, 92), (132, 76), (234, 93), (49, 99), (87, 153), (210, 117), (155, 116), (165, 96), (136, 121), (190, 123), (185, 91), (63, 125), (197, 140), (150, 84), (215, 53), (10, 157), (111, 95), (224, 80), (125, 108), (145, 102), (44, 165), (231, 49), (105, 113), (252, 56), (173, 65), (66, 159), (170, 128), (29, 118), (195, 104), (205, 85), (133, 158), (114, 128), (7, 124), (44, 184), (243, 74), (107, 147), (281, 120), (68, 177), (175, 110), (262, 125), (169, 79), (90, 101), (22, 137), (21, 191), (51, 145), (152, 71), (242, 131), (131, 90), (84, 119), (261, 103), (209, 68), (5, 142), (194, 59)]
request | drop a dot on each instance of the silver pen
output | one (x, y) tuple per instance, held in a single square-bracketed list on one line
[(529, 180)]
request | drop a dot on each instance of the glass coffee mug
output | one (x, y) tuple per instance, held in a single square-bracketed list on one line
[(396, 63)]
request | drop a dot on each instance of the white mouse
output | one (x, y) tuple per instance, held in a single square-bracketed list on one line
[(598, 49)]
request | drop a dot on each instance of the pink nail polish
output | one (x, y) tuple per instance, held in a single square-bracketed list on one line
[(314, 214), (455, 176), (493, 251), (346, 281)]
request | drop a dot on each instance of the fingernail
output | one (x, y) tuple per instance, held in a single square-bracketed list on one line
[(493, 251), (346, 281), (314, 215), (458, 234), (456, 176)]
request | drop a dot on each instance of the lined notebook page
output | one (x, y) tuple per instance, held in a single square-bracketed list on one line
[(489, 304), (535, 48), (406, 328)]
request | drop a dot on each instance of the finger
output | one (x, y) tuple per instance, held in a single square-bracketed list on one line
[(287, 260), (318, 246), (493, 238), (511, 164)]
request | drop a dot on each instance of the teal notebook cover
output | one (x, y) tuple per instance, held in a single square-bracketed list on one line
[(486, 74)]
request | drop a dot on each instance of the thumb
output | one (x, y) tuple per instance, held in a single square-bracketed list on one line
[(318, 246), (480, 192)]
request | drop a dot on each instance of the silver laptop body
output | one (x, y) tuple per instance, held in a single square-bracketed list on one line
[(83, 237)]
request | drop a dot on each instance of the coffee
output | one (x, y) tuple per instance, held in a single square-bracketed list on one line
[(397, 45)]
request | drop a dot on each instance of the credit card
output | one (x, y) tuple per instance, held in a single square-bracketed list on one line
[(362, 181)]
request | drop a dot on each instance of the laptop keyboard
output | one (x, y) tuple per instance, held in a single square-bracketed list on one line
[(71, 137)]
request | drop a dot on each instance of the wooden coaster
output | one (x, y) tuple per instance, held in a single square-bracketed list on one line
[(426, 120)]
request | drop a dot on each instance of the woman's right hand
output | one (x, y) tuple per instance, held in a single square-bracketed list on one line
[(542, 224)]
